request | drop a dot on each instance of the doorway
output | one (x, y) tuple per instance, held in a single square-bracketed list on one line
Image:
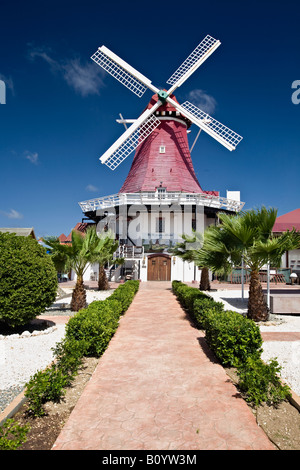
[(159, 267)]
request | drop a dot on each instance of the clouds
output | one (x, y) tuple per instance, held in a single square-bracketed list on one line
[(91, 187), (33, 157), (204, 101), (13, 214), (85, 78)]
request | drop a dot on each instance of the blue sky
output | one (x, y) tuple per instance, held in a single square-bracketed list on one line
[(61, 108)]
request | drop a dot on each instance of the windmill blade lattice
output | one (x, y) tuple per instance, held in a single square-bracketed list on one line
[(146, 123), (130, 144), (226, 134), (194, 60), (122, 71)]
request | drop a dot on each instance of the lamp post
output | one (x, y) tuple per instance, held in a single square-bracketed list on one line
[(293, 277), (268, 284), (243, 277)]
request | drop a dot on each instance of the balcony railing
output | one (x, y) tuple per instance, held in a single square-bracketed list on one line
[(154, 198), (130, 252)]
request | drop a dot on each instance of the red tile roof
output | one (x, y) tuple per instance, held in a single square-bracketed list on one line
[(79, 227), (172, 169), (287, 221)]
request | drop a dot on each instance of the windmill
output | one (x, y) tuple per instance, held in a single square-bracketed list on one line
[(141, 128), (161, 182)]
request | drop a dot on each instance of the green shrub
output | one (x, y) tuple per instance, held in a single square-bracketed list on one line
[(124, 294), (12, 435), (28, 279), (88, 333), (69, 355), (133, 284), (94, 329), (237, 342), (110, 304), (187, 295), (46, 385), (175, 285), (232, 337), (202, 307), (259, 382)]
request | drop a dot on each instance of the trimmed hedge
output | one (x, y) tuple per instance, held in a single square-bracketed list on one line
[(237, 342), (28, 279), (231, 336), (187, 295), (88, 333)]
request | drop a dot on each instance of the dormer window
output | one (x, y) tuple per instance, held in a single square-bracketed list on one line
[(162, 149), (161, 192)]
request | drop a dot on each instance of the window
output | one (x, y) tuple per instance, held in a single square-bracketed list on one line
[(160, 224), (162, 149), (161, 192)]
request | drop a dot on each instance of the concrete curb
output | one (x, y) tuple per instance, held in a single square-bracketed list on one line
[(13, 407)]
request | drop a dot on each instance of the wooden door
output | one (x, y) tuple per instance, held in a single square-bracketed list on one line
[(159, 268)]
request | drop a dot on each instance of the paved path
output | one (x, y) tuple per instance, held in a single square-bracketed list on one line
[(157, 388)]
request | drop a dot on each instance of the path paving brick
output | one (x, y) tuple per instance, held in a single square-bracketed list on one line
[(157, 387)]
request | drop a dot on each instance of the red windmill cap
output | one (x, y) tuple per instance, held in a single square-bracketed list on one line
[(167, 107)]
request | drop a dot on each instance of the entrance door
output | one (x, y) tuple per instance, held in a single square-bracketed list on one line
[(159, 268)]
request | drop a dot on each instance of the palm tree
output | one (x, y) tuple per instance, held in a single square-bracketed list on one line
[(78, 255), (247, 237), (187, 250), (104, 253)]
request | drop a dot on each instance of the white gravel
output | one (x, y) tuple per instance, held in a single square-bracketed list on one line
[(287, 353), (22, 356)]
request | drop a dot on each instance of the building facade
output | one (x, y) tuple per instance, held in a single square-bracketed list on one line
[(160, 200)]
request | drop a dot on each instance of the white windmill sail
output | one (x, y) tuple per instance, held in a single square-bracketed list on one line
[(216, 129), (142, 127), (129, 144), (123, 72), (193, 61)]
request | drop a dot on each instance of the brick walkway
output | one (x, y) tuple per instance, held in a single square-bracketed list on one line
[(157, 388)]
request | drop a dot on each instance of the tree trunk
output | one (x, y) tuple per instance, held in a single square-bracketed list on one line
[(102, 279), (79, 296), (257, 306), (204, 282)]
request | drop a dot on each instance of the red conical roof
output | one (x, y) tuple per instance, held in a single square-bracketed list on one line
[(287, 221), (164, 159)]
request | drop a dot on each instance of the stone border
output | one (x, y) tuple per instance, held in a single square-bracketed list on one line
[(13, 407), (27, 334)]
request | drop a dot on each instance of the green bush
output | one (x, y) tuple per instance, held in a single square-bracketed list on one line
[(202, 307), (47, 385), (93, 328), (125, 293), (110, 304), (12, 435), (259, 382), (28, 279), (237, 342), (88, 333), (232, 337), (187, 295)]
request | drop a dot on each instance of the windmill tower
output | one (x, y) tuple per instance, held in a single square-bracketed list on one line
[(161, 197)]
